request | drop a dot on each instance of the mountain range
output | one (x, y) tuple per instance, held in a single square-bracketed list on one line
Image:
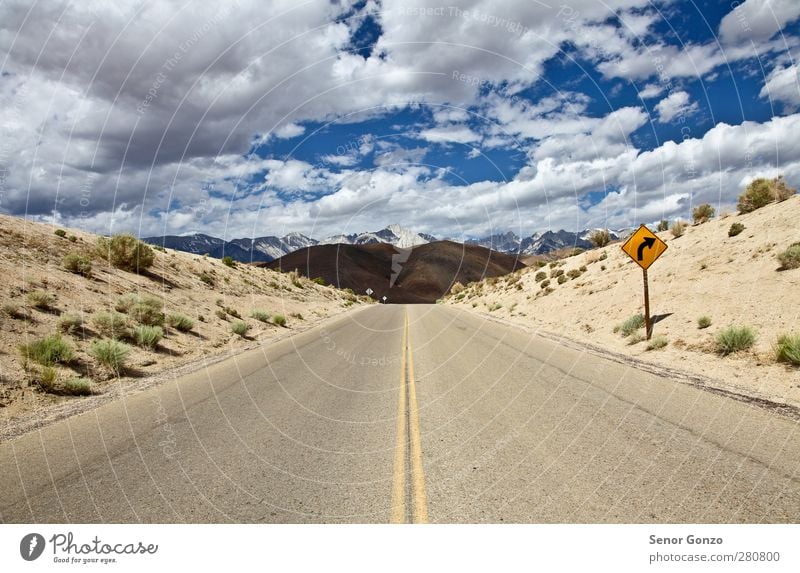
[(270, 248), (405, 276)]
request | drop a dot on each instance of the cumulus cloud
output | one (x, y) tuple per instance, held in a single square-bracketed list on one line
[(757, 20), (783, 85), (145, 115), (676, 104)]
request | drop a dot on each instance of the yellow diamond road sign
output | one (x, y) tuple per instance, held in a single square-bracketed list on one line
[(644, 247)]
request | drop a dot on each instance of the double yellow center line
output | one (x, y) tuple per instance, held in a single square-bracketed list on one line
[(409, 501)]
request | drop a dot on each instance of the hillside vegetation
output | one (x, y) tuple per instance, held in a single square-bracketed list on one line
[(725, 295), (84, 315)]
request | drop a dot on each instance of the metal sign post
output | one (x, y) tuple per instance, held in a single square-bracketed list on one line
[(648, 325), (644, 247)]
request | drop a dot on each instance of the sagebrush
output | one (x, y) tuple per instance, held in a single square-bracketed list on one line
[(47, 351), (126, 252), (734, 339), (110, 353)]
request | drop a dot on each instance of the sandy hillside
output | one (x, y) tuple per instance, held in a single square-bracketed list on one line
[(731, 280), (204, 289)]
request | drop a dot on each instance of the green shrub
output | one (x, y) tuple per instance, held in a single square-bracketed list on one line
[(41, 299), (73, 239), (788, 349), (540, 276), (143, 309), (657, 343), (60, 233), (111, 324), (126, 252), (180, 322), (734, 339), (125, 303), (703, 322), (48, 379), (544, 284), (555, 273), (603, 256), (260, 315), (762, 192), (69, 323), (677, 229), (206, 278), (294, 276), (228, 261), (631, 324), (147, 336), (319, 281), (702, 213), (790, 258), (663, 225), (573, 274), (279, 319), (735, 229), (221, 314), (78, 387), (12, 310), (110, 353), (635, 338), (562, 279), (145, 312), (47, 351), (600, 237), (240, 327), (78, 264)]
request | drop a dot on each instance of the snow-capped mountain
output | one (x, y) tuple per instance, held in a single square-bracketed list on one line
[(393, 234), (504, 243), (539, 243), (261, 249), (265, 249)]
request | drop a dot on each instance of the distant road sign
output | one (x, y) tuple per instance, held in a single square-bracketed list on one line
[(644, 247), (370, 291), (384, 298)]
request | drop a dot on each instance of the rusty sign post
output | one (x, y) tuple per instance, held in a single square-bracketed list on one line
[(644, 247)]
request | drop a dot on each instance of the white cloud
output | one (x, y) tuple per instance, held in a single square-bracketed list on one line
[(289, 131), (166, 110), (651, 90), (676, 104), (757, 20), (449, 134), (783, 85)]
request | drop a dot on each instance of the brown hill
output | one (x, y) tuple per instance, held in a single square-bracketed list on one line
[(419, 275)]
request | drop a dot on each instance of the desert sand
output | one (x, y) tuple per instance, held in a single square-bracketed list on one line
[(31, 257), (731, 280)]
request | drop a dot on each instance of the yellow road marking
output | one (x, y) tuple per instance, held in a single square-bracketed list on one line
[(408, 433), (417, 474), (399, 480)]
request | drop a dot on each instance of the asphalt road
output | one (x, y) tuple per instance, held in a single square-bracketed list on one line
[(410, 414)]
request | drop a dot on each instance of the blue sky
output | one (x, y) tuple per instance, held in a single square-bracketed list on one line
[(456, 119)]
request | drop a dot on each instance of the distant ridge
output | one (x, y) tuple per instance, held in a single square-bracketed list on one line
[(269, 248), (420, 274)]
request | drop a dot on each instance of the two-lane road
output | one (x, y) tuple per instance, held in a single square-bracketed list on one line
[(410, 413)]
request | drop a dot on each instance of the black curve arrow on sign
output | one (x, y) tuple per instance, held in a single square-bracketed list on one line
[(647, 242)]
